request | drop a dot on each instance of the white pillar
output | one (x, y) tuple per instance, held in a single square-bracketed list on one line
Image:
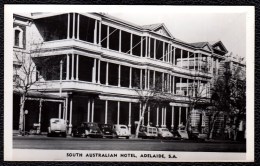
[(179, 115), (146, 46), (187, 87), (107, 37), (162, 123), (129, 116), (170, 83), (154, 79), (68, 28), (107, 69), (217, 65), (99, 35), (181, 86), (131, 44), (88, 110), (165, 110), (187, 113), (95, 32), (68, 67), (148, 116), (174, 50), (170, 54), (119, 40), (73, 30), (77, 67), (94, 71), (119, 75), (157, 116), (130, 77), (141, 53), (163, 82), (92, 111), (149, 46), (188, 60), (118, 112), (66, 112), (154, 51), (40, 114), (140, 110), (194, 61), (70, 122), (148, 79), (141, 79), (106, 111), (72, 67), (145, 78), (78, 27), (199, 58), (163, 52), (181, 58), (99, 71), (173, 84), (59, 111), (172, 125)]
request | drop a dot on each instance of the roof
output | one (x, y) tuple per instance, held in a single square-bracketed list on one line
[(199, 44), (151, 26)]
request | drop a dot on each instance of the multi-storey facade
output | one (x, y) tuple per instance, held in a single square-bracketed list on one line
[(103, 60)]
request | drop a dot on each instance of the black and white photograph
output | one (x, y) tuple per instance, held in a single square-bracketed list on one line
[(139, 83)]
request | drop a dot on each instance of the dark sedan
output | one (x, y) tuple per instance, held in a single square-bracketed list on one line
[(107, 130), (87, 129)]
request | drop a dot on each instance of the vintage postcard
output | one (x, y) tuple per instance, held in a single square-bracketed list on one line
[(129, 83)]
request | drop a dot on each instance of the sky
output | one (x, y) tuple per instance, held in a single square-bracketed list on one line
[(230, 28)]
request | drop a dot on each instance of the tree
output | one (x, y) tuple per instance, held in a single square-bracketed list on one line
[(197, 94), (26, 75), (229, 93), (156, 95)]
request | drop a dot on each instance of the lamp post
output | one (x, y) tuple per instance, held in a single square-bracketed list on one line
[(25, 113)]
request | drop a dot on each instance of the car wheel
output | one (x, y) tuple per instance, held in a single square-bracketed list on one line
[(64, 135), (127, 137), (48, 134)]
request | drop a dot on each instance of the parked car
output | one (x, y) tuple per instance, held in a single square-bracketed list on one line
[(107, 130), (164, 133), (176, 134), (87, 129), (57, 127), (148, 132), (121, 131)]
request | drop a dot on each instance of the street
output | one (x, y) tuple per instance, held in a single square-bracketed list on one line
[(72, 143)]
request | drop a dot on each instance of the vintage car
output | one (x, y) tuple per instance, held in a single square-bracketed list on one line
[(87, 129), (148, 132), (121, 131), (164, 133), (107, 130), (57, 127)]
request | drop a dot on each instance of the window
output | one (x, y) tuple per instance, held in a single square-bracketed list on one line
[(18, 37)]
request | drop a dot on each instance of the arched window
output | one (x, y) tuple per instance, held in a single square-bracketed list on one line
[(18, 37)]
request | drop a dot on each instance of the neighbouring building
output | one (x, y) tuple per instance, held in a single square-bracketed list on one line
[(103, 59)]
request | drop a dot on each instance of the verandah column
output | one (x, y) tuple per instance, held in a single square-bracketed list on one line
[(78, 26), (70, 121), (145, 79), (108, 37), (165, 109), (88, 110), (131, 44), (72, 66), (179, 115), (130, 77), (187, 109), (119, 75), (73, 27), (99, 35), (118, 112), (120, 40), (68, 67), (106, 103), (157, 116), (107, 71), (164, 52), (99, 71), (154, 51), (40, 114), (92, 111), (162, 122), (129, 116), (174, 50), (148, 116), (95, 32), (68, 28), (172, 125), (141, 79), (181, 57), (148, 79), (94, 71), (77, 67)]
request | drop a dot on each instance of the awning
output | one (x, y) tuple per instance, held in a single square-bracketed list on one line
[(35, 94)]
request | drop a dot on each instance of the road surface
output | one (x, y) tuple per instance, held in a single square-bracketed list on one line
[(71, 143)]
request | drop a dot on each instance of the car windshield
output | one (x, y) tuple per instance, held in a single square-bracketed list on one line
[(123, 127), (105, 126), (165, 130)]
